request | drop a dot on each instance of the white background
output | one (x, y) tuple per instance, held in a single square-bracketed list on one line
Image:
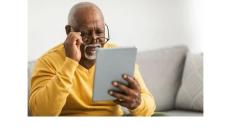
[(146, 24), (215, 30)]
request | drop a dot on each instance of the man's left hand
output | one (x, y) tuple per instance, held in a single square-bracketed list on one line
[(127, 95)]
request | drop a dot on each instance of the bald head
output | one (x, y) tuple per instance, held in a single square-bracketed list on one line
[(84, 12)]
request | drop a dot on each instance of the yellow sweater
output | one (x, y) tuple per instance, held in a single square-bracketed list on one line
[(61, 86)]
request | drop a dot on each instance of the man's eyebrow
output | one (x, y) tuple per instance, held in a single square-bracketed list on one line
[(87, 27), (83, 26)]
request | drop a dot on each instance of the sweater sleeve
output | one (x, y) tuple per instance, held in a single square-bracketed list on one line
[(147, 106), (49, 88)]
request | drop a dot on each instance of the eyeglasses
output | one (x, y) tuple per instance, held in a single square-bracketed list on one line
[(87, 39)]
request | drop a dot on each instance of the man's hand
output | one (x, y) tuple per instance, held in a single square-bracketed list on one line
[(72, 46), (128, 95)]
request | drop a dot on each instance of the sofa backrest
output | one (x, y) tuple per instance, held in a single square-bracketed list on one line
[(30, 68), (162, 70)]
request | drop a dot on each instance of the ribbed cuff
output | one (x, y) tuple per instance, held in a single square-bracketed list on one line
[(138, 109)]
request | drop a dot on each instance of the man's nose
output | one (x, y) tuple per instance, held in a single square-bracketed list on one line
[(94, 38)]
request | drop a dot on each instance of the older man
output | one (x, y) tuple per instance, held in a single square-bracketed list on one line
[(62, 80)]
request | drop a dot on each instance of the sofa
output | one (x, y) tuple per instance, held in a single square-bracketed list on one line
[(174, 76)]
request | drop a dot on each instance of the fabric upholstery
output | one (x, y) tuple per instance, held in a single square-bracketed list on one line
[(162, 71), (190, 94)]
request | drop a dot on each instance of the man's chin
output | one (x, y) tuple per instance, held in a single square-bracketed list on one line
[(90, 57)]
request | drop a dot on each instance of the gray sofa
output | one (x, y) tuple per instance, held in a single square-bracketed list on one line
[(175, 78)]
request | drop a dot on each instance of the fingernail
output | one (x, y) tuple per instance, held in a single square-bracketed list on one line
[(110, 92), (124, 76), (115, 83)]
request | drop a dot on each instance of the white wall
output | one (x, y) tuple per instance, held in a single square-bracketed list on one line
[(147, 24)]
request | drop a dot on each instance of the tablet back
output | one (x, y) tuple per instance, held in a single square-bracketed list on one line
[(111, 63)]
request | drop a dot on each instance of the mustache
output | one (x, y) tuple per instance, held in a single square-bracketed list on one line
[(93, 45), (91, 57)]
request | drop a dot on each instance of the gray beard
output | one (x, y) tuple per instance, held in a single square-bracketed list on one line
[(91, 57)]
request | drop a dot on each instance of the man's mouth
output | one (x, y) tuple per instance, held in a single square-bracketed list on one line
[(90, 51)]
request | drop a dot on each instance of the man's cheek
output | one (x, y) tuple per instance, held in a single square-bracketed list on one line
[(102, 45), (82, 50)]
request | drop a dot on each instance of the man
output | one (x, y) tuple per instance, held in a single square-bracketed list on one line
[(62, 81)]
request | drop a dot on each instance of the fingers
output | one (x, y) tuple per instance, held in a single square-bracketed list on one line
[(127, 95), (130, 103), (75, 36), (123, 88), (118, 95), (132, 81), (72, 46), (122, 103)]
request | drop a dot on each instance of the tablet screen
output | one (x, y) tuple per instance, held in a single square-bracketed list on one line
[(111, 64)]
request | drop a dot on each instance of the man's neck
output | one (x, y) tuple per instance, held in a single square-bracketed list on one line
[(87, 63)]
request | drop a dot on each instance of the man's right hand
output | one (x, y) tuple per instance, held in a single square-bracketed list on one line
[(72, 46)]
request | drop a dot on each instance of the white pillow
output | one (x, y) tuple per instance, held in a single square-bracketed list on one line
[(190, 94)]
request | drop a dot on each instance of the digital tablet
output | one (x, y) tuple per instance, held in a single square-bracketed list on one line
[(111, 64)]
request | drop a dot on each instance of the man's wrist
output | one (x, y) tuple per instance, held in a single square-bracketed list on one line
[(138, 108)]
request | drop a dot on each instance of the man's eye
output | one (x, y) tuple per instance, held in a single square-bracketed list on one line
[(100, 32)]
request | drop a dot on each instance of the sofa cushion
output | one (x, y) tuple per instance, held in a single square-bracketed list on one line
[(30, 68), (178, 113), (190, 94), (161, 70)]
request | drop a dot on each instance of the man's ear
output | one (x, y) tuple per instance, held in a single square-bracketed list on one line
[(68, 29)]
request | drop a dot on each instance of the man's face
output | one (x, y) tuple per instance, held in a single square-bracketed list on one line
[(91, 26)]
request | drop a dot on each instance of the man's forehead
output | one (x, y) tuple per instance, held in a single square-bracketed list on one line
[(89, 20), (86, 14)]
